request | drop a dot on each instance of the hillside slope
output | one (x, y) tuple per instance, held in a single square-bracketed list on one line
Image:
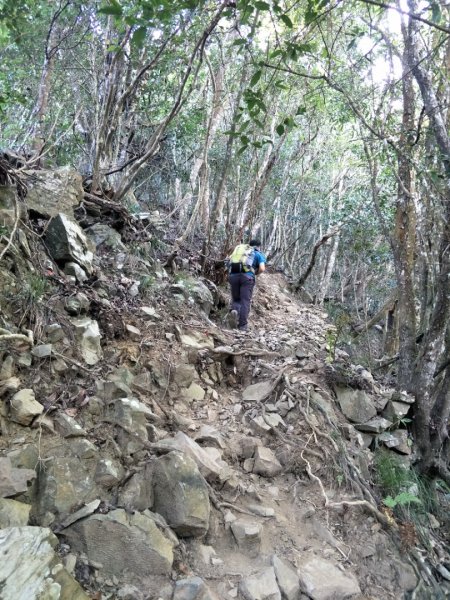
[(173, 457)]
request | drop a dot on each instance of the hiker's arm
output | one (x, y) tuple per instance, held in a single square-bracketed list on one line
[(261, 268)]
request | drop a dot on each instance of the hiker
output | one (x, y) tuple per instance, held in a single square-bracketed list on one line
[(244, 264)]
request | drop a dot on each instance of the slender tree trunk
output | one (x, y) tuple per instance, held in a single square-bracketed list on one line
[(405, 232)]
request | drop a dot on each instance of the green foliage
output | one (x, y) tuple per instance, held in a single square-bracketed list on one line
[(333, 336), (409, 494), (36, 286), (146, 284), (401, 499)]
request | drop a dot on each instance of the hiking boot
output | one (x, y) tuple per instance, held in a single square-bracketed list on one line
[(233, 319)]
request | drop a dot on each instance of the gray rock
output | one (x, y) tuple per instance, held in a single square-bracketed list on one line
[(127, 546), (7, 368), (287, 578), (134, 416), (66, 426), (195, 339), (246, 446), (209, 468), (209, 435), (137, 492), (248, 536), (375, 425), (263, 424), (184, 375), (397, 440), (13, 513), (54, 191), (355, 404), (201, 295), (192, 588), (24, 407), (261, 511), (108, 474), (262, 586), (8, 203), (13, 481), (193, 392), (133, 332), (66, 242), (84, 512), (266, 463), (41, 576), (74, 270), (150, 313), (55, 332), (395, 411), (101, 234), (65, 484), (42, 351), (181, 494), (322, 580), (82, 448), (129, 592), (88, 336), (78, 304), (258, 392)]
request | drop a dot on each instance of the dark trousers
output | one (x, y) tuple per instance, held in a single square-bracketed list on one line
[(241, 293)]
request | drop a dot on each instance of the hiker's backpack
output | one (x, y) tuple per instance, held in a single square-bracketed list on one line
[(241, 261)]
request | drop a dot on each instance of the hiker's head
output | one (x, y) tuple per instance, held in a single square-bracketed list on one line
[(255, 243)]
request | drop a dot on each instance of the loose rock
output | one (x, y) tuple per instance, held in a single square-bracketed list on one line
[(248, 536), (321, 580), (287, 578), (24, 407), (266, 463), (262, 586), (181, 494)]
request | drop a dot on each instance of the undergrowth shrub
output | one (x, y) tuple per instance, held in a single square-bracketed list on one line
[(410, 496)]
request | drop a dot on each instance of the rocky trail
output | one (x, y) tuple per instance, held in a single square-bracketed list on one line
[(149, 452)]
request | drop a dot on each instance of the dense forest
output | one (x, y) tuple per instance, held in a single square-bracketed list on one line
[(320, 125)]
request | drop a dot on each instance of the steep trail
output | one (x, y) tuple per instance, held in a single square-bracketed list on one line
[(177, 459)]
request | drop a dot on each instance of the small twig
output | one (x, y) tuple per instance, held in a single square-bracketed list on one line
[(71, 360)]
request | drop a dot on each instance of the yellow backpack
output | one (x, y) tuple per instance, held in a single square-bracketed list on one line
[(241, 261)]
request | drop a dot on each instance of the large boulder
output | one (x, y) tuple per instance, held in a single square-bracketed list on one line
[(67, 242), (30, 568), (53, 192), (321, 580), (181, 494), (128, 546), (65, 483), (355, 404), (201, 295)]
